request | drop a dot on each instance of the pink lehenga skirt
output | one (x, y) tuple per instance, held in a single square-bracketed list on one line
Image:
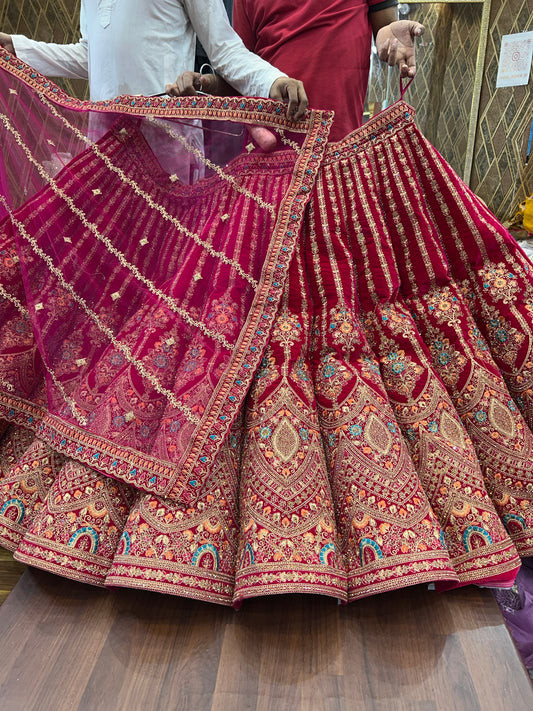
[(307, 370)]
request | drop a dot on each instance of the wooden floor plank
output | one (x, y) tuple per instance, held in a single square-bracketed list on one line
[(70, 647), (10, 572)]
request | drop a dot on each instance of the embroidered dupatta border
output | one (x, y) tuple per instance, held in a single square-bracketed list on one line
[(174, 479)]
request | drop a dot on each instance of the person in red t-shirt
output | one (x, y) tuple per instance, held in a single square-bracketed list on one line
[(327, 46)]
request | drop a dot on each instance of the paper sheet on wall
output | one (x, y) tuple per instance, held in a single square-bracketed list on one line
[(515, 59)]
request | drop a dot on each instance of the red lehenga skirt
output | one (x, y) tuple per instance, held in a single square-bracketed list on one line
[(307, 370)]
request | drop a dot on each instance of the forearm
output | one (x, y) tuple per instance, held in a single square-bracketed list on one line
[(53, 60)]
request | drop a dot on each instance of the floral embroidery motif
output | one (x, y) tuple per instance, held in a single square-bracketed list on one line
[(500, 283), (345, 329)]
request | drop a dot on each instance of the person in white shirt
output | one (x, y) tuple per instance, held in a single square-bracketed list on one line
[(140, 46)]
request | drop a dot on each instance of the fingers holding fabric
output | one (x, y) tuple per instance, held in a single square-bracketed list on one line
[(292, 92)]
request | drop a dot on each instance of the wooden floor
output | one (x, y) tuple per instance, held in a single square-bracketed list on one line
[(10, 572), (66, 646)]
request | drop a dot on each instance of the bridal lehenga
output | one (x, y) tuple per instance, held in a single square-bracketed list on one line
[(227, 372)]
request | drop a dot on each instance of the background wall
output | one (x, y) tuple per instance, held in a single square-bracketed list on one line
[(46, 20), (441, 93), (499, 176)]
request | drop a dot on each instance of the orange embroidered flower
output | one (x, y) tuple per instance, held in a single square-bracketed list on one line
[(212, 528), (97, 513)]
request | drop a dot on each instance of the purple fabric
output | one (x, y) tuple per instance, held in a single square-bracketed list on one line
[(517, 608)]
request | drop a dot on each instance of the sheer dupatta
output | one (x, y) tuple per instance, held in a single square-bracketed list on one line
[(153, 238)]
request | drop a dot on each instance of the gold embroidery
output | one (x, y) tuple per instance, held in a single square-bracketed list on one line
[(501, 418), (125, 350), (377, 435), (287, 141), (285, 440), (155, 206), (132, 268), (217, 169)]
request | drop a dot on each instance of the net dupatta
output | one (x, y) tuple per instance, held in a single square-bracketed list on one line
[(145, 245)]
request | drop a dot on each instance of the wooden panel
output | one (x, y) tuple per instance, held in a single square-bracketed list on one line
[(48, 21), (67, 646), (500, 176)]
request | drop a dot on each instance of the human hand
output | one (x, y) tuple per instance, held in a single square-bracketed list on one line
[(396, 45), (6, 42), (187, 84), (265, 139), (191, 83), (293, 93)]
